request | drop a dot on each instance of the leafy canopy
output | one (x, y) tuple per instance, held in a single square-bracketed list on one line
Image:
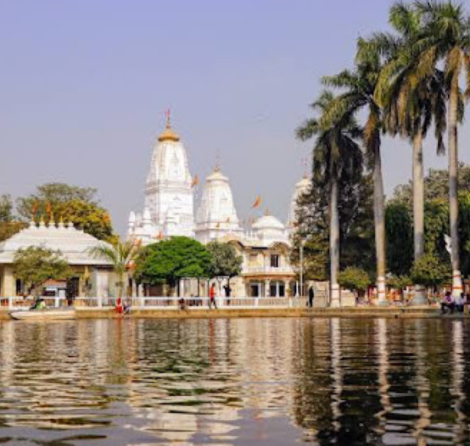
[(70, 203), (356, 227), (225, 262), (35, 265), (173, 259), (353, 278), (6, 209), (429, 271)]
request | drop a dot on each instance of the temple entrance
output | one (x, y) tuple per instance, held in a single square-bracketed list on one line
[(255, 289)]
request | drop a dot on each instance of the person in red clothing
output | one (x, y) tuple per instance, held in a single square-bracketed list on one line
[(212, 297)]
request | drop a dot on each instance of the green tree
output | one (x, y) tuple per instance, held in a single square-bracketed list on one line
[(121, 255), (445, 39), (399, 227), (430, 271), (6, 209), (399, 283), (10, 228), (411, 102), (53, 194), (93, 219), (336, 153), (355, 207), (357, 95), (35, 265), (8, 224), (170, 260), (436, 185), (225, 262), (70, 203), (354, 279)]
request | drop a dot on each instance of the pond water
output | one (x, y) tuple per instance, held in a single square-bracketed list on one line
[(235, 382)]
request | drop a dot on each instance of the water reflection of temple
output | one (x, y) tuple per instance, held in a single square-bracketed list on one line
[(328, 381)]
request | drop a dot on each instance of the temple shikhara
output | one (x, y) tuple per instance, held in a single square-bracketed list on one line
[(170, 210)]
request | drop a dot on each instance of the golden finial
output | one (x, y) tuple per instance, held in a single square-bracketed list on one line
[(168, 134)]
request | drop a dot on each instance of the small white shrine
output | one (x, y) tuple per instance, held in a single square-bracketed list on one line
[(91, 275)]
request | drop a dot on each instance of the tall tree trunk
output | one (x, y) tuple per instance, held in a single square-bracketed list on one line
[(379, 225), (453, 188), (418, 211), (335, 298)]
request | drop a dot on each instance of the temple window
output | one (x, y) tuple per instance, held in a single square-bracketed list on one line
[(275, 261)]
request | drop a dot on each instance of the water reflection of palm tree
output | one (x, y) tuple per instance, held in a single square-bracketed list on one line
[(457, 379), (383, 369), (337, 373), (422, 384)]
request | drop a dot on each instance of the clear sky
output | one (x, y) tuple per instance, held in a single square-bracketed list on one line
[(84, 86)]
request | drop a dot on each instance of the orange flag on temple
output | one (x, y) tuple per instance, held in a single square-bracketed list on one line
[(48, 208), (257, 202), (160, 235), (195, 181)]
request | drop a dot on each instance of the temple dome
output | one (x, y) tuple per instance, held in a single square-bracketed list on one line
[(268, 222), (268, 229), (216, 215)]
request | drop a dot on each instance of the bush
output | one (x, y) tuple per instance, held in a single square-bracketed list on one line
[(429, 271), (355, 279)]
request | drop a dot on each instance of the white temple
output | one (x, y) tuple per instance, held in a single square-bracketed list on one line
[(216, 216), (169, 195), (169, 204)]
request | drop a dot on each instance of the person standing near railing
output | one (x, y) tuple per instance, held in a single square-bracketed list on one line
[(228, 293), (212, 297)]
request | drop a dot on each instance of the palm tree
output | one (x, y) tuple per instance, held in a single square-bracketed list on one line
[(411, 101), (359, 86), (446, 37), (121, 255), (335, 153)]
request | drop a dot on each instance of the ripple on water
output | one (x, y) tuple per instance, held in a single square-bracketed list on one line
[(235, 382)]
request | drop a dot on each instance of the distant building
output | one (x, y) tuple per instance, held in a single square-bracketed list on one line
[(92, 276)]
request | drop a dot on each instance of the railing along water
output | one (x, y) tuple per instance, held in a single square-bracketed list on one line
[(190, 303)]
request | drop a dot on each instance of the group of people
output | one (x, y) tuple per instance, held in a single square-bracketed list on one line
[(212, 297), (451, 304)]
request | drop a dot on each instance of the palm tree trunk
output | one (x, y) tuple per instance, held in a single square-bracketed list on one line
[(335, 298), (379, 225), (418, 211), (453, 188)]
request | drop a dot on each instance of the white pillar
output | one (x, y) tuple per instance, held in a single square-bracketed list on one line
[(419, 297), (381, 291), (335, 297), (457, 287), (277, 288), (266, 288), (134, 288)]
